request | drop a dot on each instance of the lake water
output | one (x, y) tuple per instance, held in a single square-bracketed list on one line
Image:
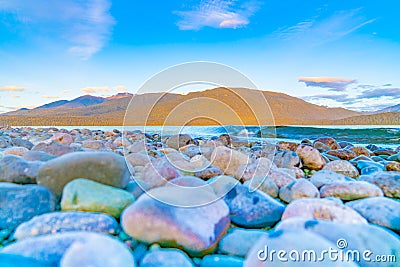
[(385, 135)]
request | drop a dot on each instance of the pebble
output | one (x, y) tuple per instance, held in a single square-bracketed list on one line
[(238, 241), (53, 148), (221, 261), (15, 169), (379, 210), (20, 203), (343, 154), (228, 160), (389, 182), (349, 237), (195, 229), (263, 183), (87, 195), (104, 167), (310, 157), (351, 190), (323, 209), (166, 258), (10, 260), (343, 167), (288, 240), (324, 177), (300, 188), (252, 209), (60, 222), (73, 249), (329, 141), (287, 159), (158, 172)]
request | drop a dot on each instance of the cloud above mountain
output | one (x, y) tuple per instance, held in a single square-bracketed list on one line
[(333, 84)]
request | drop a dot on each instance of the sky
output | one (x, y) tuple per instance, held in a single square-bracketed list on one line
[(333, 53)]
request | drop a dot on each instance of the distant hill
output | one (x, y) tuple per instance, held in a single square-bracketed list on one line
[(387, 118), (226, 106), (395, 108)]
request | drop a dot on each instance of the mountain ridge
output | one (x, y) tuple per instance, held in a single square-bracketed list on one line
[(154, 109)]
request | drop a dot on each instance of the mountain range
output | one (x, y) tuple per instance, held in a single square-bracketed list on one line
[(210, 107)]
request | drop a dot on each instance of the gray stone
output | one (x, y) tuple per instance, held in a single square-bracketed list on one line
[(20, 203), (350, 237), (99, 251), (183, 223), (9, 260), (103, 167), (87, 195), (323, 209), (166, 258), (343, 167), (350, 190), (73, 249), (15, 169), (252, 209), (379, 210), (60, 222), (53, 148), (238, 241), (300, 188), (389, 182), (265, 184), (38, 156), (221, 261), (289, 240), (324, 177), (287, 159)]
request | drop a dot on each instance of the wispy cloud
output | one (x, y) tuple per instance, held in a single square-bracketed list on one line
[(319, 30), (381, 92), (218, 14), (339, 98), (365, 97), (86, 25), (120, 88), (11, 88), (67, 91), (89, 90), (333, 84), (50, 96)]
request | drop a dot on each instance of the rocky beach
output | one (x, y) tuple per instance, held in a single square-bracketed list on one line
[(99, 198)]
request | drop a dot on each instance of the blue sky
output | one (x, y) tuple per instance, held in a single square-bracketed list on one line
[(335, 53)]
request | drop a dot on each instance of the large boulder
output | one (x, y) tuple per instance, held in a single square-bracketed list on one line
[(74, 249), (20, 203), (350, 190), (322, 209), (185, 224), (291, 240), (253, 209), (389, 182), (343, 167), (300, 188), (60, 222), (103, 167), (228, 160), (166, 258), (351, 239), (15, 169), (379, 210), (310, 157), (87, 195)]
